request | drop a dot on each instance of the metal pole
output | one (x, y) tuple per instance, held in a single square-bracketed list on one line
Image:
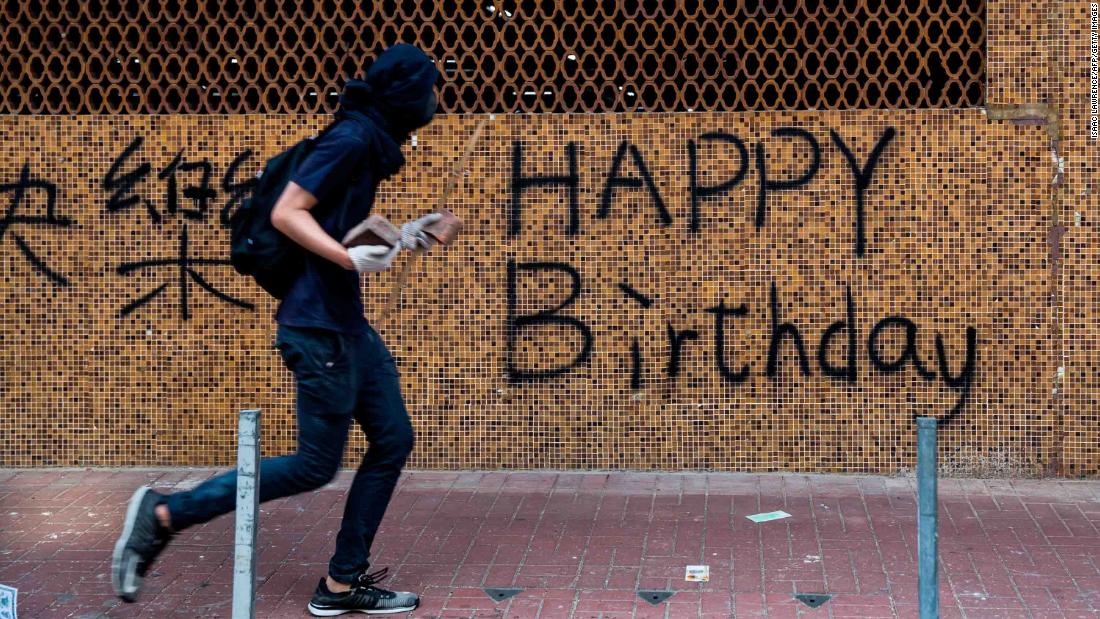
[(926, 518), (248, 482)]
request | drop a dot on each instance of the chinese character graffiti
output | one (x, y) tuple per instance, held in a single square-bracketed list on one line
[(183, 264), (20, 192)]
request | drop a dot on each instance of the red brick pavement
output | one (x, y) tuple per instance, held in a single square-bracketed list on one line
[(581, 544)]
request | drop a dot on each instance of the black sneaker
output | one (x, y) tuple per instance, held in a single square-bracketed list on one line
[(142, 539), (363, 597)]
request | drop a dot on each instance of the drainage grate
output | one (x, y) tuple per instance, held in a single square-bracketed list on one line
[(655, 597), (813, 600), (500, 595)]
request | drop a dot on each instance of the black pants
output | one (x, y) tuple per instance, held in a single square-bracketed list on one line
[(340, 378)]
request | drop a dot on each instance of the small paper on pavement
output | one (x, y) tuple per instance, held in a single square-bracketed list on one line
[(768, 516), (697, 573), (7, 602)]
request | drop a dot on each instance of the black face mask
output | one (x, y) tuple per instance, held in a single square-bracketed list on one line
[(401, 84), (409, 120)]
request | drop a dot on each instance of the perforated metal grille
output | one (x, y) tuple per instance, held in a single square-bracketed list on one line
[(268, 56)]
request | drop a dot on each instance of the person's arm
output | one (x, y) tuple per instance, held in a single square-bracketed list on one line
[(292, 217)]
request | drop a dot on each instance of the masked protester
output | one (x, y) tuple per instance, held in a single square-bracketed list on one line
[(342, 369)]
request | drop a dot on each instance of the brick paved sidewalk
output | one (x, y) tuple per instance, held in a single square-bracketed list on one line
[(582, 545)]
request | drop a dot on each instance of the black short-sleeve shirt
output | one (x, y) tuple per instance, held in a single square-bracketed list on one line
[(338, 172)]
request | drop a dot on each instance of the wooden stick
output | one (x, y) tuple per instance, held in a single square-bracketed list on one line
[(448, 189)]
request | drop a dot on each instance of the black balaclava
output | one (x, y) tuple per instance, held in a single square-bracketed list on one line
[(399, 87)]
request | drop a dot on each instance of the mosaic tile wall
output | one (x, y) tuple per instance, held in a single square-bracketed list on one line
[(114, 358), (1075, 29), (109, 364)]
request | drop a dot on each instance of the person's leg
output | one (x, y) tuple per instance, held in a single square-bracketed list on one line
[(320, 450), (326, 397), (382, 415)]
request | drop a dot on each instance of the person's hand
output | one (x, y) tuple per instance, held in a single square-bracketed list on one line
[(373, 258), (413, 235)]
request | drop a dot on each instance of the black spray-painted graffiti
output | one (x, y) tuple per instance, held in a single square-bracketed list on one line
[(958, 377), (183, 263), (122, 186), (193, 202), (20, 191), (238, 191), (767, 184)]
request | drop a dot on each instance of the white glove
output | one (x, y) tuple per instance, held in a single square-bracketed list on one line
[(373, 258), (413, 235)]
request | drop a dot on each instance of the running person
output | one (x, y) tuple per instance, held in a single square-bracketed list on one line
[(342, 369)]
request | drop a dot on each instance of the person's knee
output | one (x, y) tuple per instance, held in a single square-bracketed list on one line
[(314, 478), (314, 473), (397, 444)]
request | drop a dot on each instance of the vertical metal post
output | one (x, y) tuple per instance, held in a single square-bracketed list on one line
[(927, 505), (248, 482)]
